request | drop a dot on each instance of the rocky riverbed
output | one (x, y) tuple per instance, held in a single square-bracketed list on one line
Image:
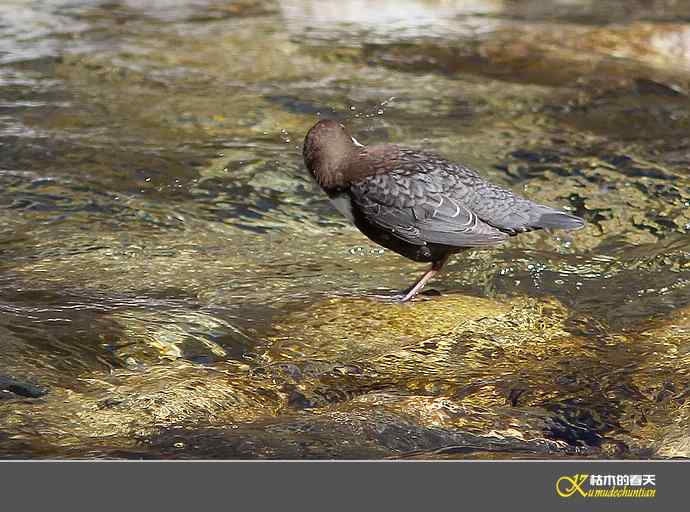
[(173, 285)]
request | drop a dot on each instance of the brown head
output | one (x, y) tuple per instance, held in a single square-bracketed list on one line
[(328, 151)]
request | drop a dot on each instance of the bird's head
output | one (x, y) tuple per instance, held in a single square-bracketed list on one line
[(328, 148)]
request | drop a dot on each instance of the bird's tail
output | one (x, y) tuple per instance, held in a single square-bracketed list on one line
[(556, 219)]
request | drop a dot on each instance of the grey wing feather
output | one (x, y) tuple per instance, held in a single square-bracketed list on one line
[(494, 205), (513, 214), (414, 208)]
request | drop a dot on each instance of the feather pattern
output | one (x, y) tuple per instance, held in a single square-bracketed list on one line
[(416, 203), (420, 212)]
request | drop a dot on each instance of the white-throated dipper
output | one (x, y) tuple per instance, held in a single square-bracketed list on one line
[(416, 203)]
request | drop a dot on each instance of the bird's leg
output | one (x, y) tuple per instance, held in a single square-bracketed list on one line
[(436, 266)]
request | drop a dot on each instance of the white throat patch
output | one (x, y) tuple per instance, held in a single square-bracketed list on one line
[(343, 204)]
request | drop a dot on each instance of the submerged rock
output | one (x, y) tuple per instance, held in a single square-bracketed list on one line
[(663, 378), (346, 329), (121, 410)]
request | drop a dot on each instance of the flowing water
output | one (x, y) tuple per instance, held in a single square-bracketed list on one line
[(173, 285)]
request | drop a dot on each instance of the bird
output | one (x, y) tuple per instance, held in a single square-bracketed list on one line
[(416, 203)]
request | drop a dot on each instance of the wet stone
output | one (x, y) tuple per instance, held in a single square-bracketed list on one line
[(173, 284)]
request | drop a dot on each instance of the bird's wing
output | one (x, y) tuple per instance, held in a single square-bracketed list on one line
[(495, 206), (414, 207), (507, 211)]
